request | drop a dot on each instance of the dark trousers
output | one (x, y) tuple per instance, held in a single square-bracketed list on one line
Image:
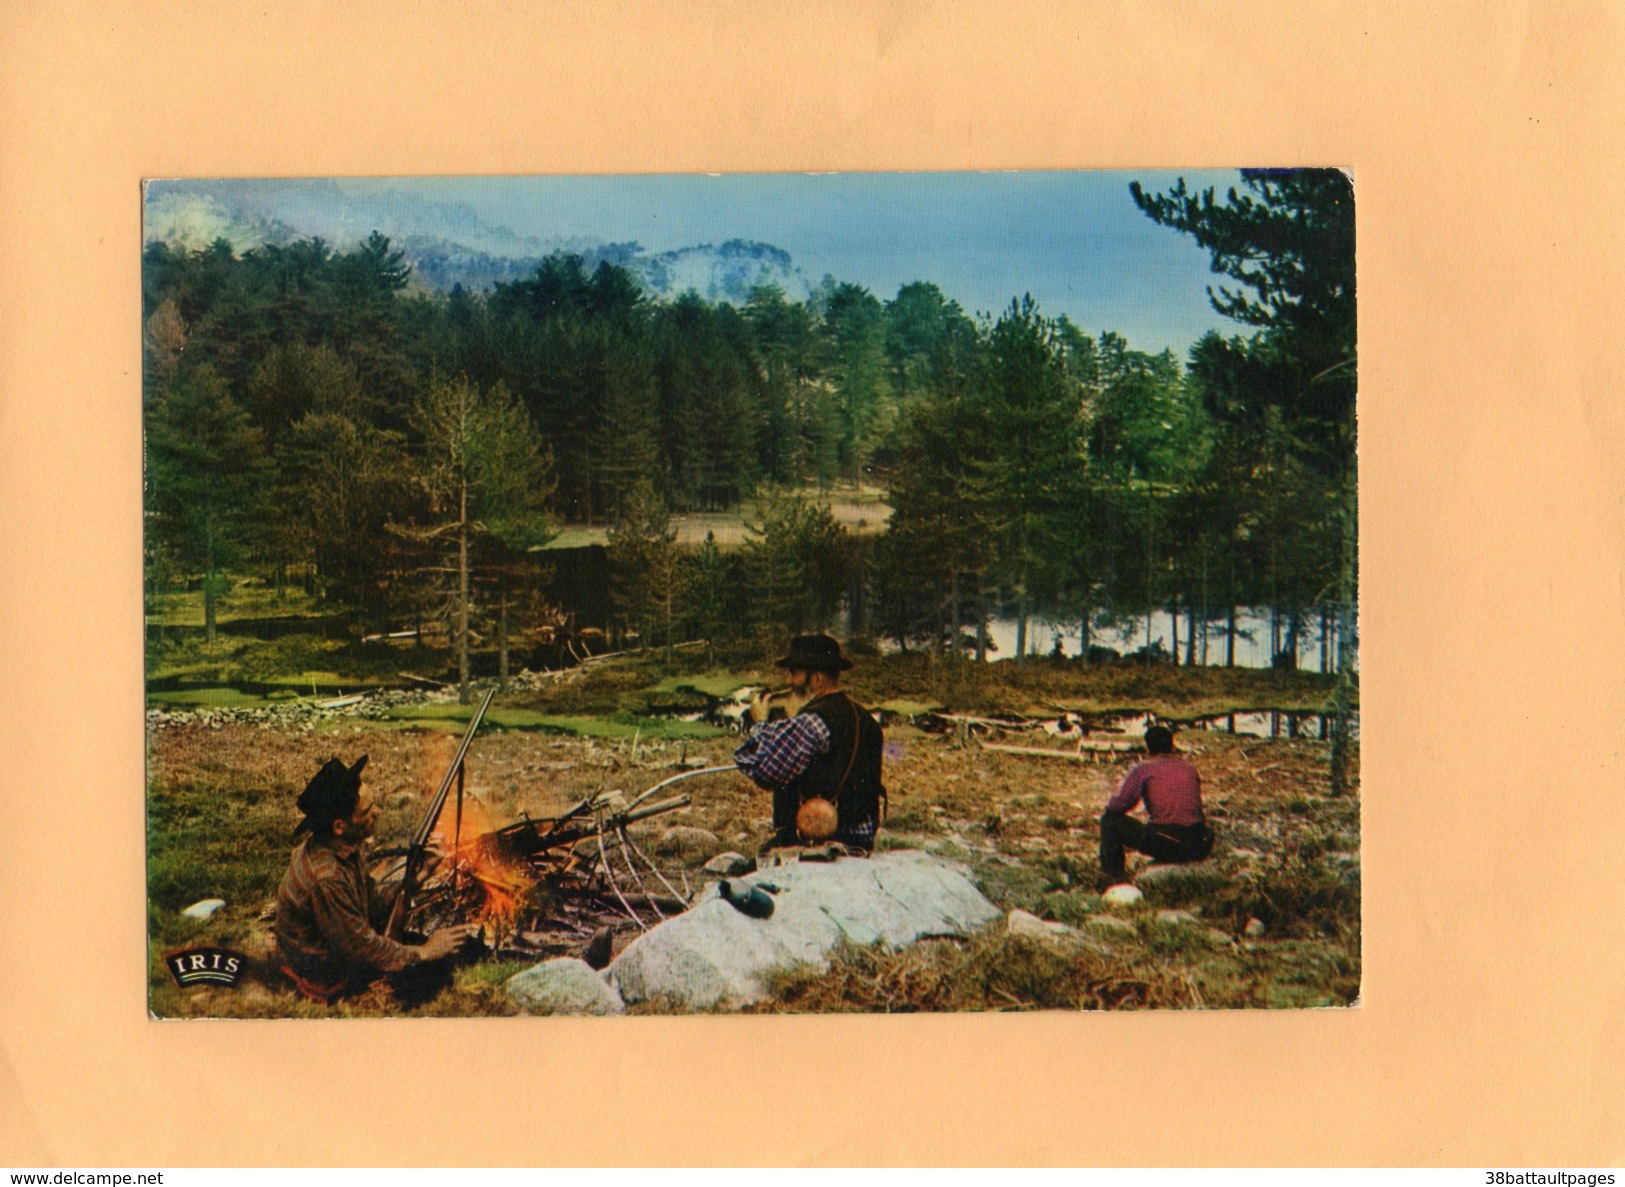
[(1163, 842)]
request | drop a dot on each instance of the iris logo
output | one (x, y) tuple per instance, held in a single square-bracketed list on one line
[(218, 966)]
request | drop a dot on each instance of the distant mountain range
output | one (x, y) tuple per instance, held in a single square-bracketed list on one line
[(447, 243)]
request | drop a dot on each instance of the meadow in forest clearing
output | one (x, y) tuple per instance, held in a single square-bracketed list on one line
[(1272, 919)]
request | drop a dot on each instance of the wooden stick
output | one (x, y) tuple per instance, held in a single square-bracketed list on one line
[(1035, 751), (627, 841), (603, 859)]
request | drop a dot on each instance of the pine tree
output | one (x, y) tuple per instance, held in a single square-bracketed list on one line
[(207, 476)]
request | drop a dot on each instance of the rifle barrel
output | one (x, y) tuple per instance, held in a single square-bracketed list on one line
[(432, 816)]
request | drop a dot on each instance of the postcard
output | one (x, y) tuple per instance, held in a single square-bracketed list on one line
[(758, 593)]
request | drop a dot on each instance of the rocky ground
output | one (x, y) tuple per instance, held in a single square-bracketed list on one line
[(1272, 919)]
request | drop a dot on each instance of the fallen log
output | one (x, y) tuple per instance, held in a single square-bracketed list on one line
[(1086, 748), (657, 902), (1035, 751), (423, 680)]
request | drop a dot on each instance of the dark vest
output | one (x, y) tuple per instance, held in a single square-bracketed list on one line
[(849, 723)]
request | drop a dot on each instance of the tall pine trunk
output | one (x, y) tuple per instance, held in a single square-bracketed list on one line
[(1347, 641), (462, 595), (502, 641)]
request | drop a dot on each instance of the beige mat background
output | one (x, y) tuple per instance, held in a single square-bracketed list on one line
[(1485, 140)]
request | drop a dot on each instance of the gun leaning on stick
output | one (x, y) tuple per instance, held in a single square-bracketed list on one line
[(419, 847)]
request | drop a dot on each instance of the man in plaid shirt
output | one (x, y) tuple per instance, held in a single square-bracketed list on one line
[(828, 748), (330, 914)]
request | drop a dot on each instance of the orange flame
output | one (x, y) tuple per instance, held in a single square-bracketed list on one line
[(500, 884)]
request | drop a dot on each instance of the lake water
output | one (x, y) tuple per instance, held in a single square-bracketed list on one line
[(1252, 639)]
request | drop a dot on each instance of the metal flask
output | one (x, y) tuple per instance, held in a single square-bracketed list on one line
[(747, 900)]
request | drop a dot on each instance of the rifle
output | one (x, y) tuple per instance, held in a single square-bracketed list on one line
[(419, 846)]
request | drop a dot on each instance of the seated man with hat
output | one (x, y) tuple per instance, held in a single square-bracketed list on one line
[(822, 763), (330, 913)]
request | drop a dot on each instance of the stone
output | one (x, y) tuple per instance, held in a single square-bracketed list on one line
[(688, 843), (714, 957), (1123, 894), (1176, 918), (1220, 937), (204, 908), (730, 864), (1255, 928), (564, 985), (1023, 923)]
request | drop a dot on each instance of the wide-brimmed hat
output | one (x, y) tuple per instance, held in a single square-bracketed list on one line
[(331, 793), (815, 653)]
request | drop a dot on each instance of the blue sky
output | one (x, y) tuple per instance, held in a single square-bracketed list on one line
[(1075, 240)]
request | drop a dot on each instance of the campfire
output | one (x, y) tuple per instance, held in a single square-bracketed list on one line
[(540, 886)]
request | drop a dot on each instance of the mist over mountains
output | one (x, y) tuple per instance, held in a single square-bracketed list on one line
[(447, 243)]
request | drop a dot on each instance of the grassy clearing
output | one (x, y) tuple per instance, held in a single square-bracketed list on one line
[(619, 726), (1045, 687), (208, 698), (220, 814), (296, 661), (248, 597), (714, 684)]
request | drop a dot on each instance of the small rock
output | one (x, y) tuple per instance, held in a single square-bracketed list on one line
[(730, 864), (688, 843), (694, 764), (1246, 854), (1023, 923), (1123, 894), (1110, 923), (564, 985), (1220, 937), (1255, 928), (1176, 918), (204, 908)]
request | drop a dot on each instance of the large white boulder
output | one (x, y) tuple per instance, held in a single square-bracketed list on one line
[(564, 985), (713, 956)]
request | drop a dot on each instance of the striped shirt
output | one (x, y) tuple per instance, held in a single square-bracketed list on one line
[(329, 915)]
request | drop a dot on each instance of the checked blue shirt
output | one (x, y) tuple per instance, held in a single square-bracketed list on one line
[(778, 751)]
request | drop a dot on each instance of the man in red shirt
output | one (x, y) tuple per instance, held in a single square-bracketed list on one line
[(1174, 829)]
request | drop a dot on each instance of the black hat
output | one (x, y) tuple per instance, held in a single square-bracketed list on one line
[(815, 653), (331, 794)]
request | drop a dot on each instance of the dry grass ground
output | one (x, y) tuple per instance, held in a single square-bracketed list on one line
[(220, 815)]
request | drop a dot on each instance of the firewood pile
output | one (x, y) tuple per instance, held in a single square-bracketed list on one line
[(549, 886)]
